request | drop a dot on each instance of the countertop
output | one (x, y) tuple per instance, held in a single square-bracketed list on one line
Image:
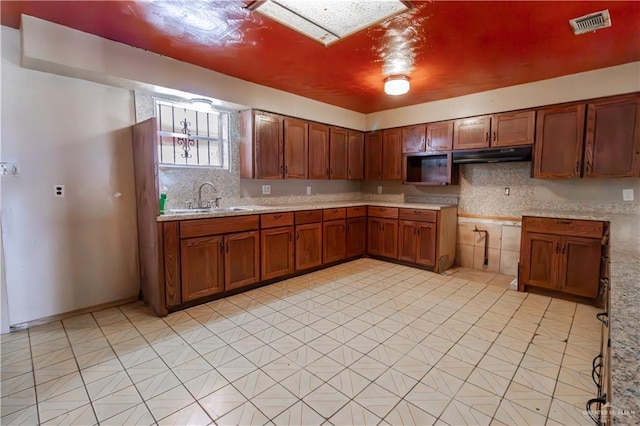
[(258, 209), (625, 307)]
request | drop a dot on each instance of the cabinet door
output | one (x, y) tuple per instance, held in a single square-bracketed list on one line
[(407, 240), (612, 147), (356, 236), (414, 139), (241, 259), (513, 128), (440, 136), (334, 240), (276, 252), (374, 236), (355, 156), (338, 153), (318, 151), (471, 133), (580, 268), (308, 246), (391, 154), (558, 147), (389, 239), (426, 244), (373, 156), (296, 149), (539, 259), (269, 146), (202, 267)]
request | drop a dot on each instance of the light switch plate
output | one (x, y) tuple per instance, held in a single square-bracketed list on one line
[(308, 190), (627, 194), (266, 189), (379, 190)]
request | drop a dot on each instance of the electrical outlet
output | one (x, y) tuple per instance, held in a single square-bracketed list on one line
[(379, 190), (266, 189), (507, 191), (627, 194), (308, 190), (58, 191)]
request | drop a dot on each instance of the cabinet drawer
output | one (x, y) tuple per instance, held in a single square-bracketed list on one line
[(573, 227), (359, 211), (217, 226), (419, 215), (273, 220), (389, 212), (309, 216), (334, 214)]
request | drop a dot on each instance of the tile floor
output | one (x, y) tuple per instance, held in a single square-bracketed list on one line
[(366, 342)]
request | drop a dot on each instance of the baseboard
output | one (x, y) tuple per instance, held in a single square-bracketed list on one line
[(59, 317)]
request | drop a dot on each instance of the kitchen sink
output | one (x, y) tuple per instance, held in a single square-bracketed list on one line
[(211, 210), (191, 211)]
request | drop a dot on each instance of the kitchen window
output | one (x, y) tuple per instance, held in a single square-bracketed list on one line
[(192, 137)]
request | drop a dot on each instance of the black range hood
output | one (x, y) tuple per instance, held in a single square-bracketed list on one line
[(492, 155)]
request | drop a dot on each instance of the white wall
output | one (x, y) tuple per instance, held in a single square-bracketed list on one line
[(64, 254), (54, 48)]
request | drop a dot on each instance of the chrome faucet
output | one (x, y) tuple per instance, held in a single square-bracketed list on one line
[(217, 199)]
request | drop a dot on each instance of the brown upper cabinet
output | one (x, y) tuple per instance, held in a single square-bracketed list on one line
[(296, 149), (373, 155), (261, 145), (318, 151), (559, 137), (497, 130), (612, 141), (391, 154), (608, 146), (338, 153), (430, 137), (355, 155)]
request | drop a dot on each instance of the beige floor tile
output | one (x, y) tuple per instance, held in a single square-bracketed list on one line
[(478, 398), (253, 383), (369, 367), (95, 357), (458, 413), (534, 380), (349, 383), (377, 399), (567, 414), (62, 404), (274, 400), (572, 395), (17, 384), (116, 403), (246, 414), (169, 402), (529, 398), (222, 401), (428, 399), (489, 380), (442, 382), (55, 371), (18, 401), (64, 384), (203, 385), (80, 416), (354, 414), (299, 414), (156, 385), (25, 416), (326, 400), (191, 415), (512, 414), (408, 414)]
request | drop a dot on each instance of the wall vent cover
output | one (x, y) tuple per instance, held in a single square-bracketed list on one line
[(591, 22)]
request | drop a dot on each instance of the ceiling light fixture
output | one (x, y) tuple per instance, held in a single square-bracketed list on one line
[(396, 85), (201, 103), (328, 21)]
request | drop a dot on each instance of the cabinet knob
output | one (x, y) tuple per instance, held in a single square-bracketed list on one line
[(277, 216), (297, 235), (417, 212), (486, 137), (563, 222)]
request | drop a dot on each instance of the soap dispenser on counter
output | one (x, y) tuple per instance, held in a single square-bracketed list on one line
[(163, 199)]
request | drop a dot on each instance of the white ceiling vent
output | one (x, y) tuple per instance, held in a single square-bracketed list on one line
[(591, 22)]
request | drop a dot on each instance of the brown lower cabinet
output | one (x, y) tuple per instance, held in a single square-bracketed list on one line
[(308, 246), (563, 256), (383, 237), (202, 267), (417, 242), (277, 252), (334, 240), (241, 259), (356, 237)]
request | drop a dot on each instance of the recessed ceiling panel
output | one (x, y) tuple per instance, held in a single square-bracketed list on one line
[(328, 21)]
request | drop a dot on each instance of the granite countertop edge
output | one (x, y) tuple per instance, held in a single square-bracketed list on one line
[(259, 209)]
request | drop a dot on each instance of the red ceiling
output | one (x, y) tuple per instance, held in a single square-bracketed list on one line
[(460, 47)]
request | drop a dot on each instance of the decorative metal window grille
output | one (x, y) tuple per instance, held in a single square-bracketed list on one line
[(192, 137)]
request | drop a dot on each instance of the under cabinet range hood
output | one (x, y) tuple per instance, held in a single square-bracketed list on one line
[(493, 155)]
